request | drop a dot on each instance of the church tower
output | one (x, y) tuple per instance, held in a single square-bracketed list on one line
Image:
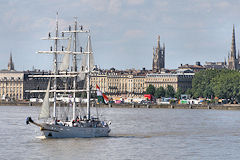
[(232, 60), (158, 57), (10, 63)]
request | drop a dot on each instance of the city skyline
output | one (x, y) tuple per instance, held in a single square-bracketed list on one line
[(123, 32)]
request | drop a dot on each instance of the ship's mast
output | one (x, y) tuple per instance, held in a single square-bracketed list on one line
[(55, 68), (55, 52), (88, 81), (75, 45), (74, 68), (74, 60), (74, 72)]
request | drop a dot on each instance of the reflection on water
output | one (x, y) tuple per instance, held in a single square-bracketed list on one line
[(129, 136), (135, 134)]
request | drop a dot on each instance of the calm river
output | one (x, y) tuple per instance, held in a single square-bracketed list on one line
[(136, 134)]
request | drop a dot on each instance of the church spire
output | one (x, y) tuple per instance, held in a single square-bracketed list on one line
[(233, 47), (158, 57), (158, 42), (10, 63)]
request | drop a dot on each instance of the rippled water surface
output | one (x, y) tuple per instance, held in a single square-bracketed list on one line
[(136, 134)]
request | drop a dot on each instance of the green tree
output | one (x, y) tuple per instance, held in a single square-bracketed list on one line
[(150, 90), (160, 92), (201, 84), (179, 92), (227, 85), (220, 83), (189, 92), (208, 92), (170, 91)]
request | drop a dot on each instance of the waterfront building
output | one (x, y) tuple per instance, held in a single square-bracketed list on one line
[(119, 82), (196, 68), (11, 84), (14, 84), (215, 65), (177, 80), (158, 63), (135, 82)]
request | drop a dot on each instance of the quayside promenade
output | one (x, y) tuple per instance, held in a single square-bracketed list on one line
[(166, 106)]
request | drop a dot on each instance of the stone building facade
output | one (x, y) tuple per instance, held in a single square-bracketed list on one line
[(11, 85), (119, 83), (14, 84), (177, 80), (135, 83)]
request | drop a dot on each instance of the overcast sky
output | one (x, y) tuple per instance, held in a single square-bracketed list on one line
[(123, 31)]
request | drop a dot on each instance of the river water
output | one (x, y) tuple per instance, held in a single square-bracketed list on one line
[(136, 134)]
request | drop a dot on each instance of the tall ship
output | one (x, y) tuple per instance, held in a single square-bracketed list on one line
[(72, 78)]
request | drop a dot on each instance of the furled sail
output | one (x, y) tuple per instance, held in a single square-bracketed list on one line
[(45, 111), (89, 49), (84, 61), (85, 57), (83, 68), (66, 58)]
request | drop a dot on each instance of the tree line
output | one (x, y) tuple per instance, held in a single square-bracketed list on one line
[(161, 92), (210, 83), (223, 84)]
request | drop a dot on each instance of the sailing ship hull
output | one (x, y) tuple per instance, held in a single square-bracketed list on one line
[(60, 131)]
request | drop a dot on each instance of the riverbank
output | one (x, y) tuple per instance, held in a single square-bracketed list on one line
[(167, 106)]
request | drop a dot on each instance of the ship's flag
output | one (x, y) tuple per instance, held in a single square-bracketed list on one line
[(101, 96)]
